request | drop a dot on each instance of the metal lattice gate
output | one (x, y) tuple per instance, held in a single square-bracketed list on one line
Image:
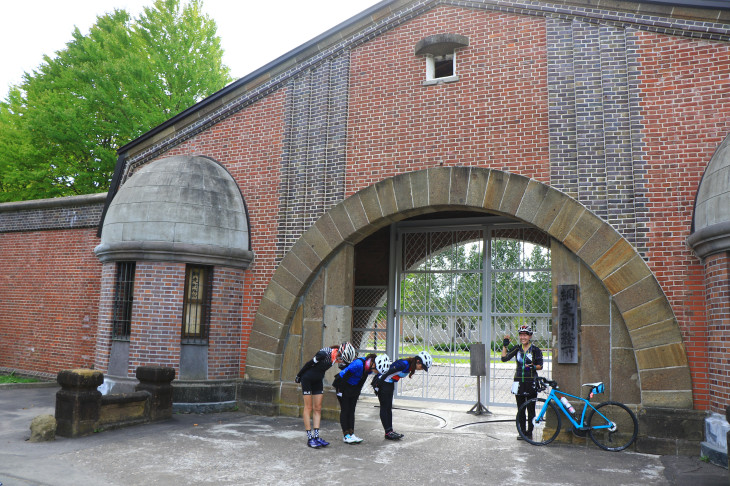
[(446, 282)]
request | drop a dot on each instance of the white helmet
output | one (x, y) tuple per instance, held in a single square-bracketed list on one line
[(426, 359), (382, 363), (347, 352)]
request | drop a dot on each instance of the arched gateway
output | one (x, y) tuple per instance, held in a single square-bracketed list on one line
[(661, 368)]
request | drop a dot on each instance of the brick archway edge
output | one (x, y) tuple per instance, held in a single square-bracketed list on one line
[(661, 359)]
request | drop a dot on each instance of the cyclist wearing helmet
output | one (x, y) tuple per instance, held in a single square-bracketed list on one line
[(384, 386), (348, 385), (311, 377), (529, 361)]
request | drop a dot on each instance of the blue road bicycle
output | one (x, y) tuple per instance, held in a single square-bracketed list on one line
[(611, 425)]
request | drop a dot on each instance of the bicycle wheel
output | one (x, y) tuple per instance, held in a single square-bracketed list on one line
[(624, 426), (546, 430)]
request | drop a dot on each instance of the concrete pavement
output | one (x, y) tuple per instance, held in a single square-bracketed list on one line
[(442, 444)]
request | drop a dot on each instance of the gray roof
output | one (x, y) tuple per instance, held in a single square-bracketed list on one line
[(181, 208)]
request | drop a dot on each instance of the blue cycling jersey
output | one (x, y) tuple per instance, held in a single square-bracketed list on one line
[(354, 372), (399, 369)]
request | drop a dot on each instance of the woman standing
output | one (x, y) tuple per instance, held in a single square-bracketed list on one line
[(348, 385), (311, 377), (384, 386), (524, 387)]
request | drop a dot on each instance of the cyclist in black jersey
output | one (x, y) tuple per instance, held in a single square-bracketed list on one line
[(311, 377), (529, 361)]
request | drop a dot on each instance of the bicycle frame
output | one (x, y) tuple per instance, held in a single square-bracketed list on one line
[(553, 395)]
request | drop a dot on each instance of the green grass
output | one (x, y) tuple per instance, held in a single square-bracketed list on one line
[(11, 378)]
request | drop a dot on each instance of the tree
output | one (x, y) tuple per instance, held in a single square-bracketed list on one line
[(60, 129)]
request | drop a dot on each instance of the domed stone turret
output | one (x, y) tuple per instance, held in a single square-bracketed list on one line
[(181, 208), (711, 220)]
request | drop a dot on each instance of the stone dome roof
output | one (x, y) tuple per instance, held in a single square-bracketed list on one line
[(711, 219), (181, 208)]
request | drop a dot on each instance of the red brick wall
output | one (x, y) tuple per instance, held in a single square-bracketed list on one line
[(249, 145), (685, 105), (156, 315), (49, 297), (718, 345), (495, 116), (224, 340)]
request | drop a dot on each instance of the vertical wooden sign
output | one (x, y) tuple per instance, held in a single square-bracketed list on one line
[(567, 323)]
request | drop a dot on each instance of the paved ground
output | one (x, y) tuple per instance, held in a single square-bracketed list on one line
[(442, 444)]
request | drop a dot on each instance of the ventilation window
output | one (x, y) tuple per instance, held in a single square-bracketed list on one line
[(440, 54)]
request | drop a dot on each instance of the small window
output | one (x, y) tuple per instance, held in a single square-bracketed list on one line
[(440, 67), (196, 304), (440, 53), (123, 301)]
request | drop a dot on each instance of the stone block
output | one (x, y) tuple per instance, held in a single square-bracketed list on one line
[(296, 268), (598, 244), (586, 226), (258, 397), (263, 359), (123, 410), (292, 359), (339, 279), (651, 312), (314, 298), (288, 281), (273, 311), (549, 209), (329, 231), (535, 193), (317, 242), (356, 211), (311, 338), (565, 265), (262, 374), (624, 377), (157, 381), (276, 293), (568, 216), (496, 185), (371, 204), (291, 394), (657, 334), (266, 325), (304, 252), (667, 399), (296, 322), (265, 342), (666, 379), (419, 188), (595, 302), (402, 190), (439, 180), (78, 402), (626, 276), (337, 324), (672, 423), (643, 291), (513, 194), (661, 356), (595, 355), (459, 185), (341, 220), (43, 428), (620, 337), (616, 256), (386, 197), (477, 187)]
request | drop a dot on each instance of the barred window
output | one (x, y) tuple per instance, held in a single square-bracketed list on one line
[(196, 304), (123, 301)]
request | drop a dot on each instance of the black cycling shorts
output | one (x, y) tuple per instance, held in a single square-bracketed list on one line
[(312, 386)]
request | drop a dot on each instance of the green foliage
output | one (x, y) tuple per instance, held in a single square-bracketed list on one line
[(60, 129), (12, 378)]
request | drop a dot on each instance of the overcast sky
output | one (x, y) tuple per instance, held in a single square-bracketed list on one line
[(252, 32)]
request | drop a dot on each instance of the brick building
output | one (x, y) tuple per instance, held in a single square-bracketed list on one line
[(286, 211)]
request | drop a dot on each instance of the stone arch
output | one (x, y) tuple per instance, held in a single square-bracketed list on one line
[(657, 342)]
